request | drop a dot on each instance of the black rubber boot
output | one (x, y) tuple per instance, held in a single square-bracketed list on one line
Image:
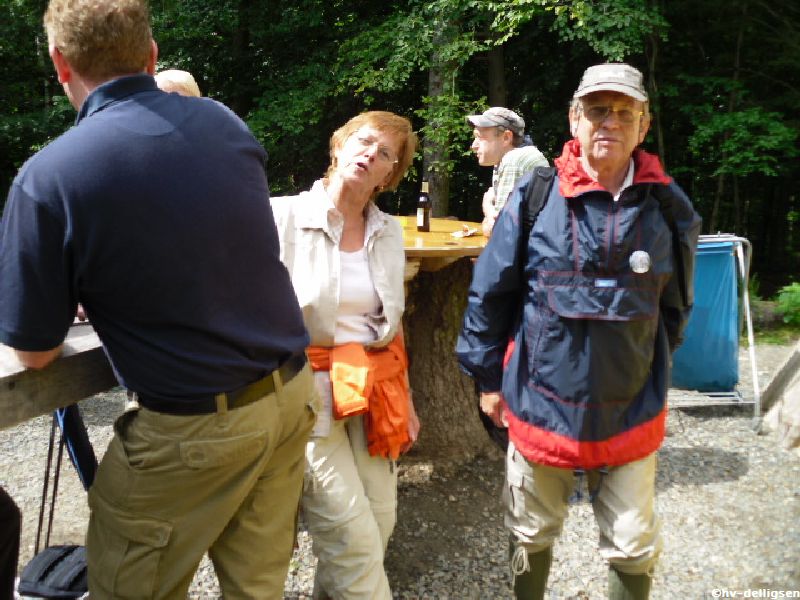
[(530, 583), (625, 586)]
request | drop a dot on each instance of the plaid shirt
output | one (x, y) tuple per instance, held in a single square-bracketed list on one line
[(514, 165)]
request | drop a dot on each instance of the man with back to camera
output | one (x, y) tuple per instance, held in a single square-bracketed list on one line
[(152, 212), (607, 291), (499, 141)]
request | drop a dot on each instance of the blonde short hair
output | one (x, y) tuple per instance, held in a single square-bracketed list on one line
[(385, 122), (101, 39), (175, 80)]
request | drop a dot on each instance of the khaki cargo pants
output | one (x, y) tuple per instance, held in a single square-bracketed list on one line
[(170, 488), (536, 499)]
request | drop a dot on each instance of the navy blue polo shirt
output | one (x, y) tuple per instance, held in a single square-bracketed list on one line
[(153, 212)]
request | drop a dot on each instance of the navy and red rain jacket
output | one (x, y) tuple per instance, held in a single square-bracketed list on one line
[(586, 373)]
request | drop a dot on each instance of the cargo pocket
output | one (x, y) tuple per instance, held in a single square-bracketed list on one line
[(125, 551), (515, 484), (210, 453)]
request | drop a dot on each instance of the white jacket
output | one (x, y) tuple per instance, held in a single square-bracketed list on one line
[(309, 229)]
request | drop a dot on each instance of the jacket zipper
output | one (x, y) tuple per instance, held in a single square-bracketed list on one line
[(611, 233)]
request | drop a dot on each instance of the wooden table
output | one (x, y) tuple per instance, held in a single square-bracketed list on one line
[(435, 249)]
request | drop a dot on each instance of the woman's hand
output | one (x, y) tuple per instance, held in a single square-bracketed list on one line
[(413, 426)]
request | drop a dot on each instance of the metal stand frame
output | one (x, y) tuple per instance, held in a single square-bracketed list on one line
[(687, 398)]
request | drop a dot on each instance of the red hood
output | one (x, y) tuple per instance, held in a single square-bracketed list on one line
[(573, 180)]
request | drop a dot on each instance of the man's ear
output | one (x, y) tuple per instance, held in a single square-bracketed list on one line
[(644, 127), (573, 118), (151, 62), (63, 69)]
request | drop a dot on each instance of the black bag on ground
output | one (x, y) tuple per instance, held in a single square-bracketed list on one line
[(60, 571), (56, 572)]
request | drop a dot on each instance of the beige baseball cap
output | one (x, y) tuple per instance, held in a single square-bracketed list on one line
[(498, 116), (612, 77)]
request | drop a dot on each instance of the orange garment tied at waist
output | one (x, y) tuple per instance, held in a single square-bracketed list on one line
[(372, 382)]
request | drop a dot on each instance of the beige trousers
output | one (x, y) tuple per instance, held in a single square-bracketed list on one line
[(350, 507), (536, 498), (171, 488)]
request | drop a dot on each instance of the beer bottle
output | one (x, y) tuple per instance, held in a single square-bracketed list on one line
[(424, 209)]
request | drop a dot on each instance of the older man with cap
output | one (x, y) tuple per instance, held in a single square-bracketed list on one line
[(500, 142), (595, 304)]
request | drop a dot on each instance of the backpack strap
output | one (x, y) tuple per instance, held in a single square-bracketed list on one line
[(536, 193), (665, 205)]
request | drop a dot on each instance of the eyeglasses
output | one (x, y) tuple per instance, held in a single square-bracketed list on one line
[(599, 113), (384, 153)]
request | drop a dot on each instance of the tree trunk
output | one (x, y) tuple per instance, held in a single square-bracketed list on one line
[(732, 103), (441, 77), (445, 398), (43, 61), (712, 225), (496, 75), (241, 99), (652, 55)]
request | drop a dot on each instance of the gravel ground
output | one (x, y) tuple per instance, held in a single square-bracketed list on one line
[(729, 500)]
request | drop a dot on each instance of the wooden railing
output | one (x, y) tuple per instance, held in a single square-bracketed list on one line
[(81, 371)]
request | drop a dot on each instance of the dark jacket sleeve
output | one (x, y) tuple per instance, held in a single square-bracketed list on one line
[(494, 298), (678, 296)]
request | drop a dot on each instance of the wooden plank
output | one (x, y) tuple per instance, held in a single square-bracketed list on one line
[(81, 371)]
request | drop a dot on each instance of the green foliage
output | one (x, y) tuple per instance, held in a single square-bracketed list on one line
[(444, 125), (741, 142), (615, 29), (776, 336), (724, 89), (789, 303), (753, 288), (450, 33)]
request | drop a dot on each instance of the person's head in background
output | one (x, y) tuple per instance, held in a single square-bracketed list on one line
[(175, 80)]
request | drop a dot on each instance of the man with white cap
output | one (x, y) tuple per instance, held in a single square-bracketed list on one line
[(500, 142), (594, 298)]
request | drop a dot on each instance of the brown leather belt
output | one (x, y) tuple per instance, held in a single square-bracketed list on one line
[(203, 405)]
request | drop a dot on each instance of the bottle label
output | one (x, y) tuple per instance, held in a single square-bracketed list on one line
[(421, 217)]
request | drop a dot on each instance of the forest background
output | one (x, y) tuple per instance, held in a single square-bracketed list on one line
[(722, 77)]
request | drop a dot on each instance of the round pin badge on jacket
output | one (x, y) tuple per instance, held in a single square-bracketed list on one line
[(639, 261)]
